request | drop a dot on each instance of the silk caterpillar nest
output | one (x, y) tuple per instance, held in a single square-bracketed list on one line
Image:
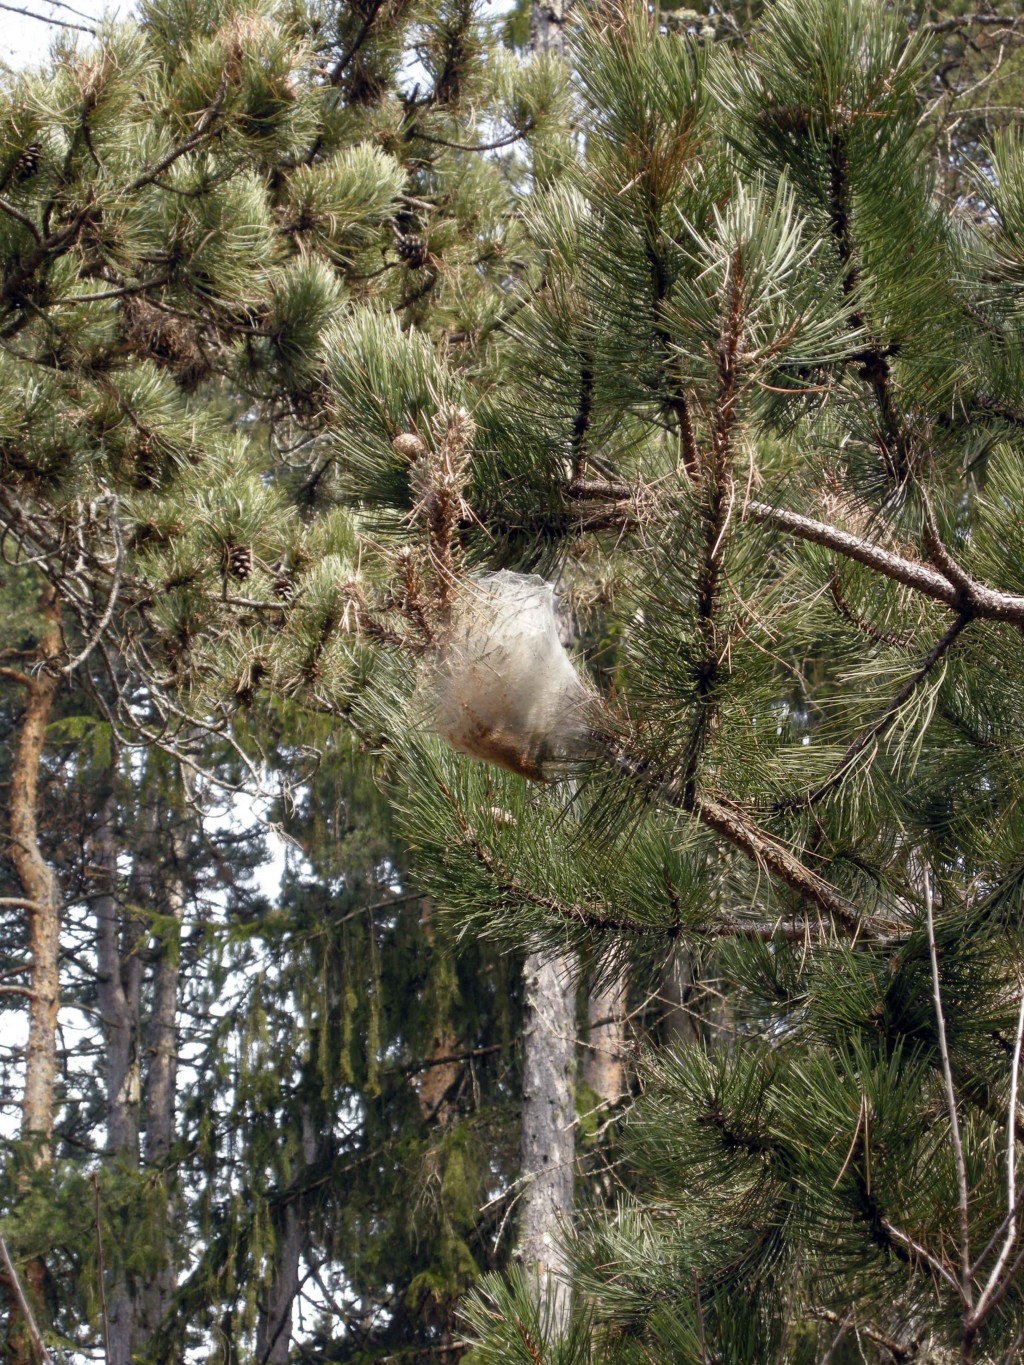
[(502, 687)]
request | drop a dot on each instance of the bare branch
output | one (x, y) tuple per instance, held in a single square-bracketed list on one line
[(973, 21), (15, 1285), (49, 19), (992, 1284), (951, 1106), (115, 585), (973, 599)]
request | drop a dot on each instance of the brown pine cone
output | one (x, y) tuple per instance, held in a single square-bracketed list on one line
[(239, 561), (28, 162), (412, 249)]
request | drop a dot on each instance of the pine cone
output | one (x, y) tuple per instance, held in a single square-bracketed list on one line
[(412, 250), (147, 461), (239, 561), (409, 446), (28, 162), (283, 588)]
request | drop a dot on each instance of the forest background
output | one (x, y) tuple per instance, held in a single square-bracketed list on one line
[(310, 313)]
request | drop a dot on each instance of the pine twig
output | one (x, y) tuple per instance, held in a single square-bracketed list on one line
[(101, 1271), (47, 18), (994, 1289), (202, 128), (884, 722), (954, 1118), (23, 1305)]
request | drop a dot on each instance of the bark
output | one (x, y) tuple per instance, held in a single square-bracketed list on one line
[(274, 1328), (42, 892), (683, 1022), (435, 1081), (169, 891), (547, 25), (548, 1138), (119, 971), (604, 1068), (697, 1013)]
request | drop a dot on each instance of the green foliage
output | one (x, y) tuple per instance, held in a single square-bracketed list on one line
[(727, 310)]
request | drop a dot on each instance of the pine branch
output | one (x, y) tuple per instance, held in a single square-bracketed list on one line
[(583, 420), (467, 146), (201, 130), (973, 21), (719, 494), (508, 886), (19, 217), (879, 637), (974, 600), (728, 821), (873, 360), (895, 1348), (347, 57), (963, 1198), (48, 19), (883, 722), (677, 399)]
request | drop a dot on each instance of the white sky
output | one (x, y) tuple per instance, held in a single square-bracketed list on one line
[(24, 41)]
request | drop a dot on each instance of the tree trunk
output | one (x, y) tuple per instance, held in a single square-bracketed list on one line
[(548, 1139), (604, 1059), (169, 890), (547, 25), (42, 894), (118, 994), (274, 1329), (118, 998), (689, 1008), (436, 1081)]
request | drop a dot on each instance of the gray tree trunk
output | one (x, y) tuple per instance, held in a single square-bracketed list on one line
[(274, 1327), (681, 1023), (43, 909), (695, 1013), (118, 998), (604, 1068), (547, 25), (168, 890), (548, 1137)]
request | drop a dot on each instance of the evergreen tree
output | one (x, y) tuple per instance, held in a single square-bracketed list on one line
[(308, 317), (766, 406), (189, 211)]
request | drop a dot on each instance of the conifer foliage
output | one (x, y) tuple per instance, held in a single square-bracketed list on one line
[(195, 211), (310, 316), (765, 408)]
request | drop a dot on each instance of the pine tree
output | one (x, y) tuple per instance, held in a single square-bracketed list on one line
[(724, 336), (766, 406), (190, 212)]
